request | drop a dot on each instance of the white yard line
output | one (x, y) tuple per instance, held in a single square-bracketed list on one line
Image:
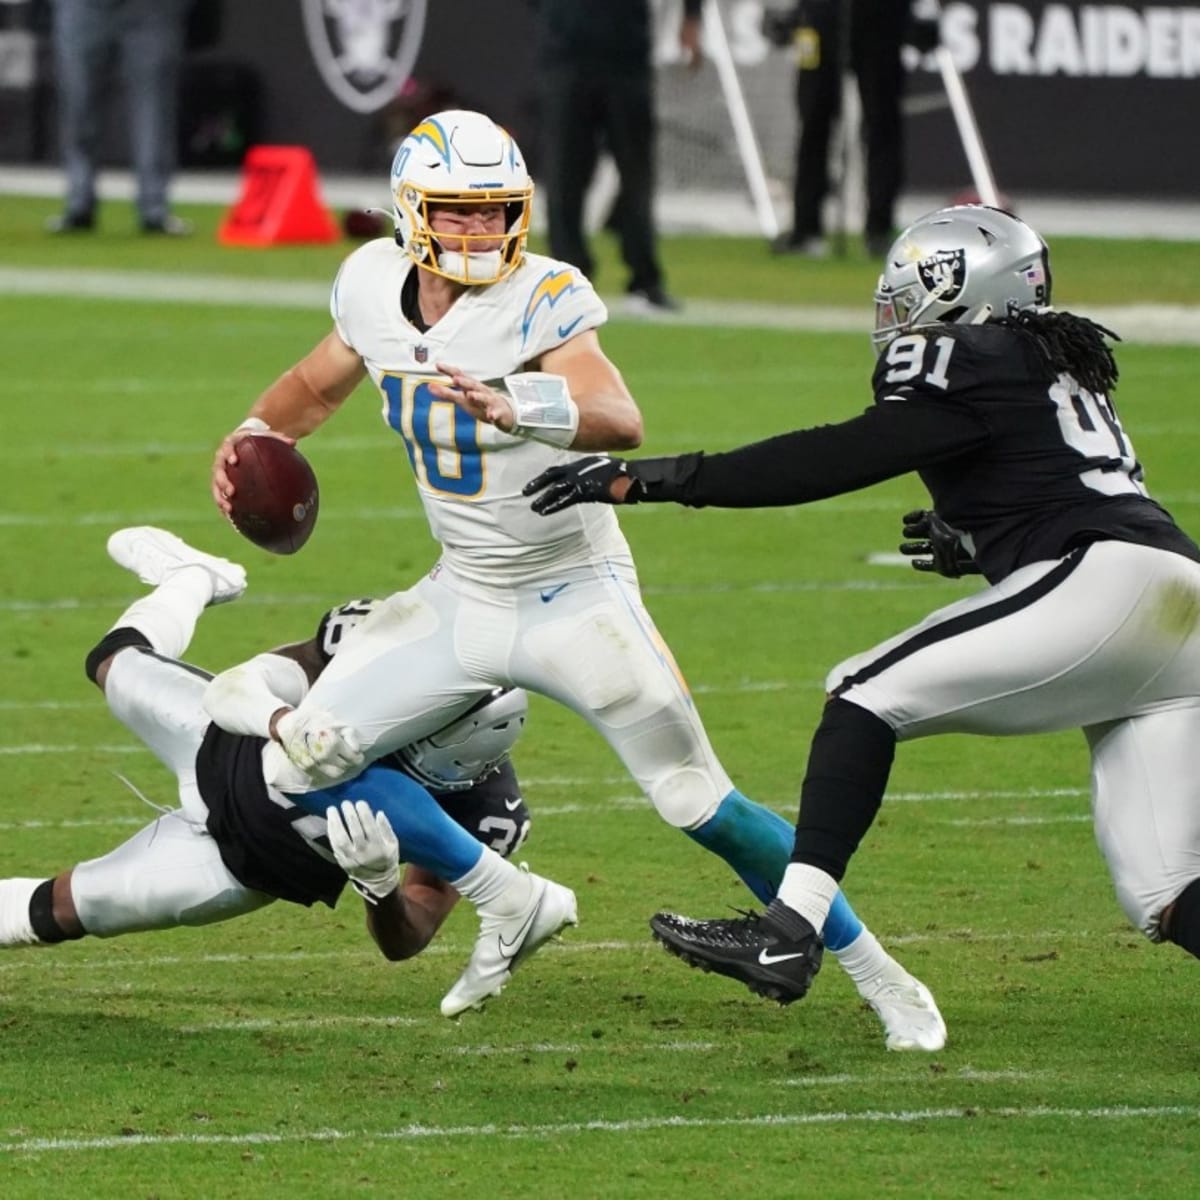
[(412, 1133), (1155, 323), (275, 1024), (12, 962), (596, 1044), (965, 1074)]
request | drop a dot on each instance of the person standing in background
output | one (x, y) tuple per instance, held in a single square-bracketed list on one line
[(828, 37), (148, 38), (596, 67)]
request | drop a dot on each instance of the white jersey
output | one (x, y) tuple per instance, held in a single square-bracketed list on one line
[(470, 474)]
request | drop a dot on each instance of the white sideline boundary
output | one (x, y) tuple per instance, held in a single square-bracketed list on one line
[(413, 1133), (1161, 324)]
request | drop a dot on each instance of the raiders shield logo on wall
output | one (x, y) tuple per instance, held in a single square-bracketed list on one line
[(364, 49), (943, 273)]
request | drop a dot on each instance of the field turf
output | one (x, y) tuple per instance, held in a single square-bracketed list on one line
[(279, 1056)]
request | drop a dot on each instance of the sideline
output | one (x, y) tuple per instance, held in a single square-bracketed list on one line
[(1158, 324)]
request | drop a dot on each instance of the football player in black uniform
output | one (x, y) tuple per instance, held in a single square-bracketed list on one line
[(1092, 620), (234, 844)]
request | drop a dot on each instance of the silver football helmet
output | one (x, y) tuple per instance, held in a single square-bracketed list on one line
[(461, 158), (961, 264), (470, 746)]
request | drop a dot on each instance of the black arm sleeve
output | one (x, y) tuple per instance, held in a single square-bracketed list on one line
[(890, 439)]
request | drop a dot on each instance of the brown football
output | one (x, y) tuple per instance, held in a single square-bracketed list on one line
[(275, 494)]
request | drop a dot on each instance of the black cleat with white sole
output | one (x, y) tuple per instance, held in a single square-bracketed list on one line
[(776, 955)]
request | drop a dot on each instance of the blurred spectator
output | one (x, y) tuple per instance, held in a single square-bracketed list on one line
[(828, 37), (597, 90), (146, 37)]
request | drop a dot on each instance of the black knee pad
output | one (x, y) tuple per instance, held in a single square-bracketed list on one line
[(110, 643), (1185, 919)]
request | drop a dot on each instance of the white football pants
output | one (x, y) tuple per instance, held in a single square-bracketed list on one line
[(1106, 639), (169, 873), (583, 638)]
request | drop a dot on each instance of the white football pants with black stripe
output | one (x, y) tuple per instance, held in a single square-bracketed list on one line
[(169, 873), (1107, 640)]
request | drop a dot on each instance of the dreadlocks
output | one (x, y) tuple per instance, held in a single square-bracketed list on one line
[(1071, 345)]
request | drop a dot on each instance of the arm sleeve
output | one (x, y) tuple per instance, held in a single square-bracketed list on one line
[(242, 699), (889, 439)]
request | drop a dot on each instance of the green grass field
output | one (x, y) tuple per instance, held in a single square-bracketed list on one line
[(279, 1056)]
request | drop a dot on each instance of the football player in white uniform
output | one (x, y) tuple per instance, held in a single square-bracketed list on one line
[(235, 844), (488, 365)]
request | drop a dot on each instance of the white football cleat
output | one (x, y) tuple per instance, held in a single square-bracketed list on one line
[(505, 942), (154, 555), (909, 1013)]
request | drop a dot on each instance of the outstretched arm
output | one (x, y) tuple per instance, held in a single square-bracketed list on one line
[(794, 468)]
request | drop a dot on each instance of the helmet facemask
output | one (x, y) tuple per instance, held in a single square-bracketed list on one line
[(476, 258), (461, 160), (471, 746)]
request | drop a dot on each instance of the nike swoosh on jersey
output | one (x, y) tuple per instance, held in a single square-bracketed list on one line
[(566, 330), (513, 805), (509, 949), (769, 959), (548, 594)]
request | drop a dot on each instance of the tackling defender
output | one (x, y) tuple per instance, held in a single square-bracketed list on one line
[(235, 844), (552, 606), (1092, 619)]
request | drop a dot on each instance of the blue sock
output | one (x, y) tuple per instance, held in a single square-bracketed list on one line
[(757, 844), (842, 925), (428, 837)]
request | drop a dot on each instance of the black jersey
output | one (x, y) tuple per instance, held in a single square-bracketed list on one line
[(1056, 470), (1026, 464), (273, 845)]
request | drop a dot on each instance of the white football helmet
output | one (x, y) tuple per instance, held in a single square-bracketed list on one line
[(961, 264), (469, 747), (459, 157)]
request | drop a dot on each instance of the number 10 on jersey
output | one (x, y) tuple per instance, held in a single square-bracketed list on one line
[(442, 440)]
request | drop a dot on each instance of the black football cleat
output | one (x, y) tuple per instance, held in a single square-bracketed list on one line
[(776, 955)]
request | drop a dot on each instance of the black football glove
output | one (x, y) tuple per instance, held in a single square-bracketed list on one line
[(939, 550), (586, 481)]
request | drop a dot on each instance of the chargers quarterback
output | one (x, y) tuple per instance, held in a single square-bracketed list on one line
[(488, 366), (234, 844), (1092, 620)]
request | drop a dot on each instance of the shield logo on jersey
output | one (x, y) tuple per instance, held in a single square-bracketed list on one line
[(364, 49), (421, 354), (943, 273)]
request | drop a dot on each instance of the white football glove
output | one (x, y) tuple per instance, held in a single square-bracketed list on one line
[(366, 848), (318, 741)]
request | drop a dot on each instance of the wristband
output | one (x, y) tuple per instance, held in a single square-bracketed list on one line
[(542, 408), (253, 425)]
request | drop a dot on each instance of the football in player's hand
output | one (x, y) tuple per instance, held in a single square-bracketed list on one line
[(275, 493)]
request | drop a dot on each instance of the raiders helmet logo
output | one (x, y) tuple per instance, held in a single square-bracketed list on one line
[(364, 49), (943, 273)]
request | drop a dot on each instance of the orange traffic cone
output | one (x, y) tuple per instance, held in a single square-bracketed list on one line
[(280, 201)]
